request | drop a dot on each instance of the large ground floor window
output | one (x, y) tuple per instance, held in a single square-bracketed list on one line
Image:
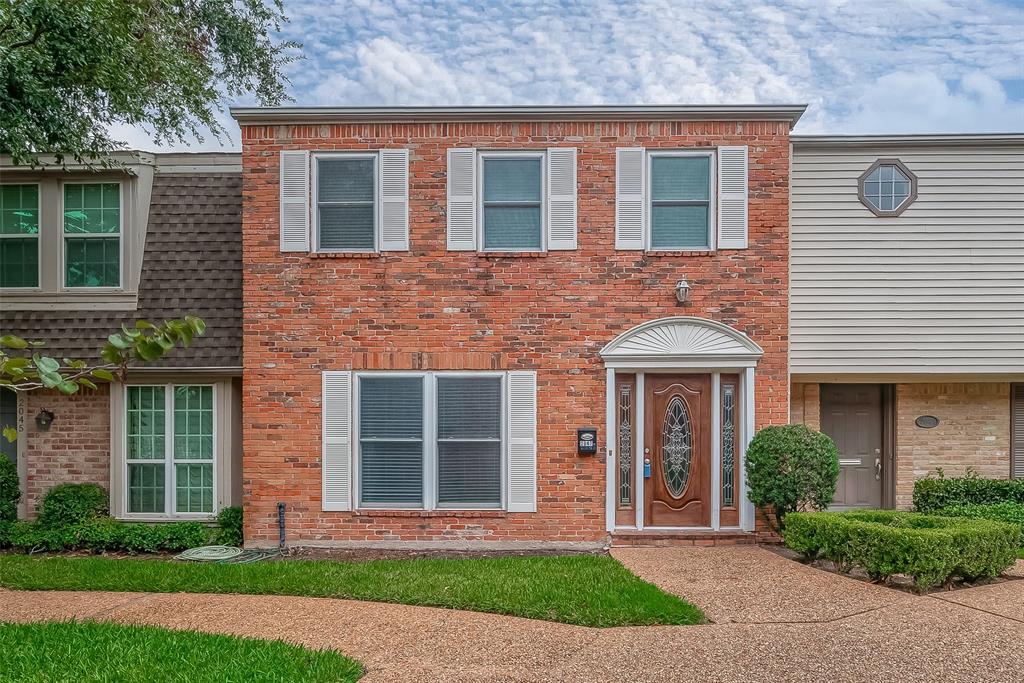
[(430, 440), (170, 450)]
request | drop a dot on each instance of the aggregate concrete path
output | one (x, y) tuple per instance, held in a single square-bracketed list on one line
[(893, 636)]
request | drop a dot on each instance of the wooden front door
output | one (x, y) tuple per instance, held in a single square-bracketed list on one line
[(852, 415), (678, 445)]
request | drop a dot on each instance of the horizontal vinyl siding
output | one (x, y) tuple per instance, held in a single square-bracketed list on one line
[(939, 289)]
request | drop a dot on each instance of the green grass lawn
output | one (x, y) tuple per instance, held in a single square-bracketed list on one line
[(1020, 553), (89, 651), (587, 590)]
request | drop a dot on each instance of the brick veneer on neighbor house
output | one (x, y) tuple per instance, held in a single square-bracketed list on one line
[(76, 447), (973, 430), (434, 309)]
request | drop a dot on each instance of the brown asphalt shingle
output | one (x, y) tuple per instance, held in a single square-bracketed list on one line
[(192, 265)]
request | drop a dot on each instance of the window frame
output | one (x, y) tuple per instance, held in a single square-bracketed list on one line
[(430, 450), (38, 237), (170, 471), (315, 200), (712, 156), (904, 205), (482, 156), (97, 235)]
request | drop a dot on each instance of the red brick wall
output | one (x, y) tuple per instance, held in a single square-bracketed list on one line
[(434, 309), (76, 448)]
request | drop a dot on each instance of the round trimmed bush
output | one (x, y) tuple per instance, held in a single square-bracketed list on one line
[(71, 504), (791, 468), (9, 493)]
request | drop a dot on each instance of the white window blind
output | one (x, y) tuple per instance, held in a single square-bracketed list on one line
[(391, 441), (346, 203)]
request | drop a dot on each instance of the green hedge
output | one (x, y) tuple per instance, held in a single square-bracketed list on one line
[(107, 534), (67, 505), (932, 550), (1011, 513), (934, 494)]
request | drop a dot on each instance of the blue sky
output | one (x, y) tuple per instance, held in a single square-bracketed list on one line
[(911, 66)]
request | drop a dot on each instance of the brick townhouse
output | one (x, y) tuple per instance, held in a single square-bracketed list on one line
[(549, 325)]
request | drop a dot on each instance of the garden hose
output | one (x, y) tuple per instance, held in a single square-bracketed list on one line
[(210, 553)]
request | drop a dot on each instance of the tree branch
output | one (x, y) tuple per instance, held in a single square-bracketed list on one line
[(30, 41)]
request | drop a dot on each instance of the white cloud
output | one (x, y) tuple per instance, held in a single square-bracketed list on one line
[(866, 66)]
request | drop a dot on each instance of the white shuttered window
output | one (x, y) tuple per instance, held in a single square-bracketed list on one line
[(430, 440)]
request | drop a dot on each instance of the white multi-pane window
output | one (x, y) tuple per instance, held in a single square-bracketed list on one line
[(345, 212), (19, 235), (92, 235), (430, 440), (170, 450), (511, 197), (680, 209)]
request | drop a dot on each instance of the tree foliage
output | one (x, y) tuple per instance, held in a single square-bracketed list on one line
[(72, 68), (791, 468), (22, 368)]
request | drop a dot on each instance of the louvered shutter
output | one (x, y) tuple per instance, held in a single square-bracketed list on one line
[(295, 200), (1017, 431), (630, 196), (462, 199), (394, 200), (732, 197), (522, 446), (336, 457), (561, 198)]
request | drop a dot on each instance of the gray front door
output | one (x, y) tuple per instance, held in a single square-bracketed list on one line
[(852, 415)]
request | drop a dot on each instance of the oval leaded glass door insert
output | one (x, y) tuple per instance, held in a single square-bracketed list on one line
[(676, 447)]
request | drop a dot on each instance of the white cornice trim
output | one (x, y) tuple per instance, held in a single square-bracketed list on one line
[(682, 340), (950, 139)]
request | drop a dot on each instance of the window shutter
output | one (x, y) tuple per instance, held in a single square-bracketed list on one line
[(336, 458), (629, 198), (732, 197), (522, 442), (394, 200), (1017, 431), (561, 198), (462, 199), (295, 200)]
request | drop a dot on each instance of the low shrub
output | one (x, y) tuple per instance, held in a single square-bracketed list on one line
[(9, 493), (1011, 513), (102, 535), (930, 549), (791, 468), (229, 521), (935, 493), (72, 504), (5, 533)]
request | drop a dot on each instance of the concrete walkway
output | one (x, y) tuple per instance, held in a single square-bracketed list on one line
[(844, 631)]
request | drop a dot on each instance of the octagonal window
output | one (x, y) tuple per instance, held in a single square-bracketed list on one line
[(888, 187)]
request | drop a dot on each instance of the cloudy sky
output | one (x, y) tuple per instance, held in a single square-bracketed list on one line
[(865, 66)]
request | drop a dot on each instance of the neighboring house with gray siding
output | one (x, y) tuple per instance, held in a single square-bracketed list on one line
[(907, 306), (84, 252)]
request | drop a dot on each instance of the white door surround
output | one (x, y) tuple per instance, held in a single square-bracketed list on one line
[(681, 344)]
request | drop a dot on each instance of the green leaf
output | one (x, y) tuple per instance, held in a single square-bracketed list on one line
[(119, 342), (111, 354), (45, 363), (197, 324), (67, 387), (144, 325), (148, 351), (11, 434), (86, 382), (50, 379), (103, 374), (12, 342)]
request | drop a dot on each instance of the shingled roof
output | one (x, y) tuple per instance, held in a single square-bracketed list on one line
[(192, 265)]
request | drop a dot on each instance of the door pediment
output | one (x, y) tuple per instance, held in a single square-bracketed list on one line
[(682, 341)]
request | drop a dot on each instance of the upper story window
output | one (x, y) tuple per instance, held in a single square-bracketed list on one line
[(92, 235), (19, 235), (512, 202), (346, 202), (680, 200), (887, 188)]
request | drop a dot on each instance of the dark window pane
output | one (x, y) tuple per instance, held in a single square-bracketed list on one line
[(19, 262), (680, 178), (391, 445), (345, 180), (512, 227), (344, 228), (92, 208), (469, 473), (8, 418), (146, 488), (468, 407), (92, 262), (391, 408), (679, 227), (391, 472), (512, 180), (19, 210)]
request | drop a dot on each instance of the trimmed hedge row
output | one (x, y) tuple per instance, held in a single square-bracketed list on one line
[(932, 550), (1011, 513), (107, 534), (932, 495)]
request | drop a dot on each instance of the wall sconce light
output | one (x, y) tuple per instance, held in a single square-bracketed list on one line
[(682, 291), (44, 419)]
